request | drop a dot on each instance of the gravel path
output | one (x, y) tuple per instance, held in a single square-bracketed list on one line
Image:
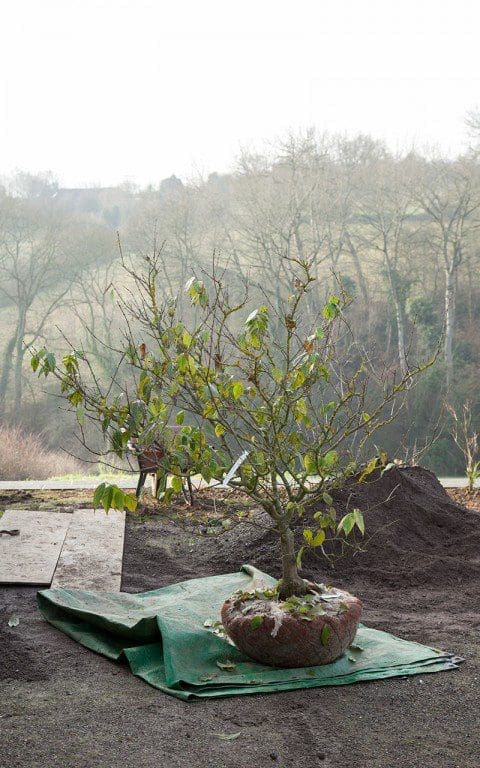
[(131, 482)]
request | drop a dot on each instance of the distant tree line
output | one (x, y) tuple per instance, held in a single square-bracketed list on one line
[(399, 232)]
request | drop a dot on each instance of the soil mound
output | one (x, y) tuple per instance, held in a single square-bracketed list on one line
[(415, 535)]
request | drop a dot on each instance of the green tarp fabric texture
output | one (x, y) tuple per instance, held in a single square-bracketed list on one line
[(167, 639)]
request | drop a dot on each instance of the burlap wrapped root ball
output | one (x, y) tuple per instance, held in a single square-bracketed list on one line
[(276, 634)]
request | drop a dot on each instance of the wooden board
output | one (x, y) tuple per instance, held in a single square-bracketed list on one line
[(31, 557), (91, 557)]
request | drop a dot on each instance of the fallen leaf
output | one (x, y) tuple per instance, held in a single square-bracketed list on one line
[(13, 621), (227, 665), (325, 634), (227, 736)]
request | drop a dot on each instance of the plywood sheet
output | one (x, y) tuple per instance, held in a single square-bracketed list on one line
[(31, 557), (91, 557)]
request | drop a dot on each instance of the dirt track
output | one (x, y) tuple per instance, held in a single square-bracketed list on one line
[(61, 705)]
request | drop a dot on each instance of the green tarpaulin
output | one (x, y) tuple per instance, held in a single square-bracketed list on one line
[(167, 639)]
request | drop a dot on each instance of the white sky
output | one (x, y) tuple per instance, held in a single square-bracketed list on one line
[(100, 91)]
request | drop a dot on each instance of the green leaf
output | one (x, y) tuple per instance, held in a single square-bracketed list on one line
[(107, 497), (295, 440), (325, 634), (70, 360), (180, 417), (314, 540), (117, 442), (300, 409), (182, 363), (327, 498), (176, 484), (144, 387), (308, 535), (299, 557), (331, 308), (97, 496), (186, 339), (319, 334), (50, 363), (329, 459), (219, 430), (256, 622), (301, 406), (196, 290), (310, 463), (368, 469), (318, 539), (359, 521), (260, 416), (346, 523), (237, 390), (118, 499), (130, 502), (76, 397), (299, 379)]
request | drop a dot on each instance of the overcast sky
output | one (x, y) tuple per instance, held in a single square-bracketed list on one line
[(101, 91)]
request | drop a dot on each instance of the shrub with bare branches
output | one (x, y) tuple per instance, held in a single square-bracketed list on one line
[(23, 456)]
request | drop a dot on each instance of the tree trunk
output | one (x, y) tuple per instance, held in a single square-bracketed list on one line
[(400, 318), (291, 584), (6, 370), (449, 323), (399, 315), (19, 353)]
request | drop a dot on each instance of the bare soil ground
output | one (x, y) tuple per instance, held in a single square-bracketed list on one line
[(419, 577)]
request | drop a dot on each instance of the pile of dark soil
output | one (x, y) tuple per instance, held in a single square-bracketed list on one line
[(415, 534)]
